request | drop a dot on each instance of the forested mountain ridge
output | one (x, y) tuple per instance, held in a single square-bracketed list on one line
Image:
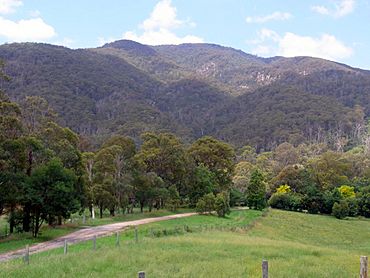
[(192, 90)]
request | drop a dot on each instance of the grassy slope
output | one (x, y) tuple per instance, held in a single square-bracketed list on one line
[(296, 245), (17, 241)]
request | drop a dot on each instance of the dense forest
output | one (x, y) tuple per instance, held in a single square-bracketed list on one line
[(48, 172), (128, 125), (191, 90)]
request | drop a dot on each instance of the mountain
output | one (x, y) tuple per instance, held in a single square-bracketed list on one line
[(191, 89)]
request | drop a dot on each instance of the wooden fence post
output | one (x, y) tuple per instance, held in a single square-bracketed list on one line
[(27, 255), (141, 274), (65, 247), (363, 267), (265, 269), (136, 235), (117, 239), (94, 243)]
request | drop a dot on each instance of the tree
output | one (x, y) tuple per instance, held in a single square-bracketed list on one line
[(330, 170), (217, 156), (164, 154), (256, 191), (51, 192), (202, 182), (173, 198)]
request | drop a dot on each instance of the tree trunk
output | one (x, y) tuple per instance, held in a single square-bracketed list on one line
[(30, 161), (91, 210), (111, 212), (37, 224), (101, 211), (59, 220), (26, 218), (141, 206), (11, 219)]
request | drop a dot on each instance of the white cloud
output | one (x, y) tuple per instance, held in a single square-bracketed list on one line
[(9, 6), (34, 29), (271, 17), (158, 28), (326, 46), (289, 45), (341, 8)]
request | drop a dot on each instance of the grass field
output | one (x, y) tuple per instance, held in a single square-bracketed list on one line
[(296, 245), (19, 240)]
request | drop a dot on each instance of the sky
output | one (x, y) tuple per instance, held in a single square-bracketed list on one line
[(337, 30)]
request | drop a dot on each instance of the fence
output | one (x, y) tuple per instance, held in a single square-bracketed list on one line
[(187, 229)]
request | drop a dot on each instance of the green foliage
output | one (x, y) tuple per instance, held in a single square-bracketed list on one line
[(341, 209), (51, 192), (286, 201), (217, 156), (364, 201), (202, 182), (164, 154), (222, 204), (173, 201), (206, 204), (256, 191)]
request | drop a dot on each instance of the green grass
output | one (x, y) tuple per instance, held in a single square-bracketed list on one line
[(20, 240), (295, 244)]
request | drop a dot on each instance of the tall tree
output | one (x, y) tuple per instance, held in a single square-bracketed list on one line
[(217, 156), (256, 191)]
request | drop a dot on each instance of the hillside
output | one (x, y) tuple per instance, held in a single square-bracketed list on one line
[(191, 89)]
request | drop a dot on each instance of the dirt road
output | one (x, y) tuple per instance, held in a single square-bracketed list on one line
[(87, 234)]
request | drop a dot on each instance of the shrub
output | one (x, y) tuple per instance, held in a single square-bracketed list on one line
[(286, 201), (341, 209), (364, 201), (222, 205), (328, 200), (206, 204), (347, 191), (352, 206), (283, 189)]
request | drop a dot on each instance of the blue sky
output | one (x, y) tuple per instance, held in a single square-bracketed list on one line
[(332, 29)]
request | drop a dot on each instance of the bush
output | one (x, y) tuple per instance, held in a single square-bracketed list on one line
[(206, 204), (347, 191), (328, 200), (283, 189), (363, 200), (286, 201), (352, 206), (341, 209), (222, 205)]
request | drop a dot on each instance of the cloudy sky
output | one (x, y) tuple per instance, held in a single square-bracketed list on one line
[(332, 29)]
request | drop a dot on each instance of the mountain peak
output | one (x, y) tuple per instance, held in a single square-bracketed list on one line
[(132, 47)]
